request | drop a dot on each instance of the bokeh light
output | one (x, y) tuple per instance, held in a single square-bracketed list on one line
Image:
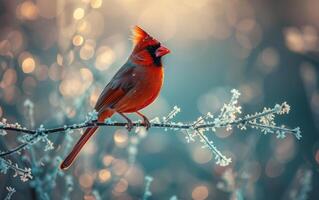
[(77, 40), (107, 160), (27, 10), (104, 175), (105, 56), (200, 192), (87, 50), (61, 54), (121, 138), (86, 180), (96, 3), (78, 13), (28, 65), (121, 186), (9, 78), (202, 156)]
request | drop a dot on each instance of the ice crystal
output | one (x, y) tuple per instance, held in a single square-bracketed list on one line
[(11, 191), (23, 173), (91, 116), (172, 114), (147, 192)]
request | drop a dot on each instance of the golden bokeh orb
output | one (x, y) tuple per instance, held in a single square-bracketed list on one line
[(77, 40), (78, 13), (28, 65)]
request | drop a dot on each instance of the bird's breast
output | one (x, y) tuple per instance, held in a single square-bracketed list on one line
[(149, 81)]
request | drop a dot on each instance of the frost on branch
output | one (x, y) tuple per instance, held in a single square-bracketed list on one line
[(196, 131), (11, 191), (172, 114), (23, 174), (141, 133), (147, 191), (227, 118), (265, 122), (91, 116), (228, 112)]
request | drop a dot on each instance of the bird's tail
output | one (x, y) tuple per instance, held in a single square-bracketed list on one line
[(81, 142), (77, 148)]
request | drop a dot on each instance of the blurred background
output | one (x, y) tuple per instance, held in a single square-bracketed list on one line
[(60, 54)]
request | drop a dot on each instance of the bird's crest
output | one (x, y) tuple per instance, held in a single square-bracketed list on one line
[(139, 35)]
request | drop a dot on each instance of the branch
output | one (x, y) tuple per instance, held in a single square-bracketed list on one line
[(11, 191), (24, 174), (170, 125), (263, 121), (94, 124)]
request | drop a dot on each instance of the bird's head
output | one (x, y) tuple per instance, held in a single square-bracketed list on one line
[(147, 50)]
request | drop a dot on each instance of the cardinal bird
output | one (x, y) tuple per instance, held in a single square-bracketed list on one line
[(136, 84)]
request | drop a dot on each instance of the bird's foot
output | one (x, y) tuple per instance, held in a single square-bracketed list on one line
[(129, 125), (146, 122)]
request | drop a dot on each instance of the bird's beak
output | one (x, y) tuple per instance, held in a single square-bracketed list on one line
[(161, 51)]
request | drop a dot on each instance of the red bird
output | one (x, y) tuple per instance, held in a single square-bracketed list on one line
[(136, 84)]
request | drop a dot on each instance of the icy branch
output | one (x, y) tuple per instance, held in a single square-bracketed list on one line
[(11, 191), (147, 191), (194, 131), (24, 174)]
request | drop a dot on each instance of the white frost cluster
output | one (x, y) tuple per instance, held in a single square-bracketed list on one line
[(11, 191), (172, 114), (147, 191), (229, 112), (24, 174), (91, 116), (264, 121)]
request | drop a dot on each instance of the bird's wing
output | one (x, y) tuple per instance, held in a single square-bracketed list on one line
[(120, 84)]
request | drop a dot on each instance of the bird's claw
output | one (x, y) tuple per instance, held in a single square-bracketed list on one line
[(147, 123), (129, 125)]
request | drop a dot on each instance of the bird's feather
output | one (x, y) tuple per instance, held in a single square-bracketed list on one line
[(116, 89), (138, 35)]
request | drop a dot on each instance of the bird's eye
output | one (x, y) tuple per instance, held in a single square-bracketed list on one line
[(153, 48)]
